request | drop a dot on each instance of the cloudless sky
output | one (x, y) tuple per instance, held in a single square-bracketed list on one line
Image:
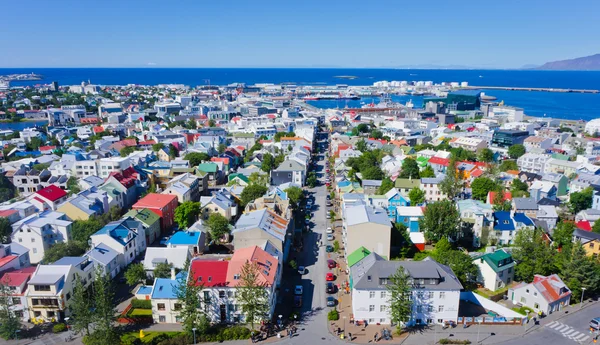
[(289, 33)]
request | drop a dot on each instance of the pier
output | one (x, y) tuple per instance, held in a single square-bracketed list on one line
[(542, 89)]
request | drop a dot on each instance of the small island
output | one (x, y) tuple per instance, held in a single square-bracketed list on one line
[(346, 77)]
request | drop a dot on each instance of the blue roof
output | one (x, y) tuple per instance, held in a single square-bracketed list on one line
[(70, 260), (117, 231), (185, 238), (164, 288), (522, 218), (144, 290), (503, 221), (342, 184), (466, 92)]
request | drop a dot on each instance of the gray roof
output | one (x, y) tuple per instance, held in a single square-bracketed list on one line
[(71, 260), (367, 272), (290, 165), (552, 177), (432, 180), (102, 254), (525, 204), (372, 183), (585, 236), (360, 214)]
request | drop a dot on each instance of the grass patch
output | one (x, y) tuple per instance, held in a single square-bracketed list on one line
[(141, 312), (149, 336), (523, 310)]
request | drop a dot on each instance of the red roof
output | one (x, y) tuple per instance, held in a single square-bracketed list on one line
[(492, 197), (550, 287), (476, 173), (128, 142), (90, 120), (47, 148), (439, 161), (210, 272), (127, 178), (7, 213), (7, 259), (98, 129), (51, 193), (584, 225), (147, 142), (155, 200), (224, 160), (267, 265), (16, 278)]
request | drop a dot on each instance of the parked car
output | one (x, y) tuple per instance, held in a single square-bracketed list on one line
[(329, 230), (329, 237), (331, 301), (328, 216), (297, 301), (298, 290), (329, 277), (331, 263), (330, 288), (329, 249), (595, 323), (301, 270)]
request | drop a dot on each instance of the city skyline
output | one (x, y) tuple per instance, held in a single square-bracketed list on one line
[(313, 34)]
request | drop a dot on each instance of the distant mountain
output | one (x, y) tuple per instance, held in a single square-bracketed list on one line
[(530, 66), (587, 63)]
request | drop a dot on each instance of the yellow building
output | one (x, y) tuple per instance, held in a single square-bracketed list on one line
[(589, 240)]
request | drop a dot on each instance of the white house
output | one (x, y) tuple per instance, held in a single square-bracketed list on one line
[(435, 293), (495, 270), (547, 294), (39, 232), (112, 164), (176, 256), (16, 281), (431, 187), (126, 236)]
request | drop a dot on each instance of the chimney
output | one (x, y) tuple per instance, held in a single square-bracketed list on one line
[(173, 273)]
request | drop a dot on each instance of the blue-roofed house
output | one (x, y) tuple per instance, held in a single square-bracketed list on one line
[(164, 300), (106, 258), (409, 216), (126, 236), (395, 199), (192, 240), (507, 224)]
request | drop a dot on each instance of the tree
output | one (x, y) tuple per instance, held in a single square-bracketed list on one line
[(157, 147), (61, 249), (82, 229), (427, 172), (211, 123), (440, 220), (5, 230), (7, 189), (579, 201), (461, 263), (581, 271), (386, 185), (196, 158), (563, 233), (136, 273), (312, 181), (9, 322), (376, 134), (34, 144), (218, 226), (481, 186), (507, 165), (516, 151), (173, 151), (82, 307), (280, 158), (372, 173), (596, 227), (252, 192), (221, 148), (518, 185), (163, 270), (126, 151), (252, 295), (410, 169), (188, 295), (277, 137), (453, 183), (268, 163), (400, 302), (73, 185), (187, 213), (295, 195), (485, 155), (361, 145), (417, 196), (533, 255), (104, 313), (260, 179), (192, 124)]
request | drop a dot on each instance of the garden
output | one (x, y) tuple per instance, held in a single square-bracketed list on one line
[(139, 311)]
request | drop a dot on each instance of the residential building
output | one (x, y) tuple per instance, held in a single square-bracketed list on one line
[(435, 290), (28, 181), (508, 137), (40, 231), (404, 185), (255, 227), (480, 215), (221, 202), (559, 166), (537, 143), (366, 226), (165, 303), (48, 198), (469, 144), (126, 236), (431, 187), (542, 189), (560, 181), (409, 216), (176, 256), (371, 186), (88, 203), (546, 294), (589, 240), (507, 224), (495, 270), (289, 171), (105, 258), (194, 241), (528, 206), (395, 199), (106, 166), (16, 281), (163, 205), (196, 185), (548, 214), (150, 221)]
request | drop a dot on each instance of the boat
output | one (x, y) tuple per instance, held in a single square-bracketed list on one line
[(310, 98)]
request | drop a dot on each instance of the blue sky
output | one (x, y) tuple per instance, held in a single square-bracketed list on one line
[(325, 33)]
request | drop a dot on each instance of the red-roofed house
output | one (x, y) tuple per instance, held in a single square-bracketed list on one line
[(439, 165), (17, 282), (98, 129), (47, 149), (146, 144), (163, 205), (584, 225), (12, 215), (223, 160), (48, 198), (491, 197), (546, 294)]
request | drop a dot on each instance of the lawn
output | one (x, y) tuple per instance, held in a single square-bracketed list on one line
[(141, 312), (148, 336)]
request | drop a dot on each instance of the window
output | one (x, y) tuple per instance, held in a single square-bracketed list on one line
[(16, 300), (419, 309), (34, 250), (221, 294), (371, 294), (20, 239), (372, 307), (32, 240), (236, 277), (432, 281), (68, 296), (371, 320), (501, 274), (430, 308), (41, 287), (527, 290), (440, 308), (382, 308), (383, 281), (430, 294), (177, 306), (535, 293), (50, 314), (381, 320), (442, 295), (536, 306), (420, 294), (162, 318), (429, 320), (18, 313), (383, 294), (523, 300), (161, 307)]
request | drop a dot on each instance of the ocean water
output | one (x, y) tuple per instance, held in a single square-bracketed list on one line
[(561, 105), (19, 126)]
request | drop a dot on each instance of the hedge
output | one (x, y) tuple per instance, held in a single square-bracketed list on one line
[(141, 304), (454, 341), (59, 327), (333, 315), (224, 333)]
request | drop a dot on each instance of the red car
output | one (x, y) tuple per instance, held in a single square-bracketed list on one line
[(329, 277), (327, 184), (331, 264)]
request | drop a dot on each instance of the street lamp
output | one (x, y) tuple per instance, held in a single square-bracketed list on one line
[(582, 292), (194, 330), (478, 329)]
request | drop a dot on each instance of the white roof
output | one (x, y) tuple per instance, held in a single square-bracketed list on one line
[(173, 255), (409, 211)]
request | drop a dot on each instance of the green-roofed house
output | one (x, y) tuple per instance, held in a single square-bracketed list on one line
[(408, 150), (496, 270), (238, 179), (357, 255), (150, 221), (210, 168), (422, 161), (404, 185)]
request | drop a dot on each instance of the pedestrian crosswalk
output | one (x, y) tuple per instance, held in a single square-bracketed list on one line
[(568, 331)]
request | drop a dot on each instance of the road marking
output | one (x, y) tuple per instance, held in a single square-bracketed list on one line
[(570, 332), (561, 327), (584, 339), (553, 324)]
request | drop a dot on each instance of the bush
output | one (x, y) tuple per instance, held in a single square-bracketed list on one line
[(59, 327), (454, 341), (293, 264), (182, 339), (129, 339), (223, 333), (333, 315), (141, 304)]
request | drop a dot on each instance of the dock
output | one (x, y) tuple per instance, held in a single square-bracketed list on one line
[(542, 89)]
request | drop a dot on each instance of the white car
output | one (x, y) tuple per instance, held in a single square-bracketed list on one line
[(328, 216), (298, 290), (330, 237), (329, 230)]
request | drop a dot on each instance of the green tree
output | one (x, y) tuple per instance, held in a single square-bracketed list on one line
[(218, 226), (596, 227), (485, 155), (386, 185), (196, 158), (376, 134), (260, 179), (9, 322), (410, 169), (400, 302), (268, 163), (579, 201), (481, 186), (157, 147), (372, 173), (136, 273), (81, 307), (211, 123), (461, 263), (280, 158), (187, 213), (252, 192), (82, 229), (5, 230), (516, 151), (508, 164), (441, 219), (188, 293), (312, 181), (295, 195), (280, 135), (533, 255), (518, 185), (73, 185), (581, 271), (105, 312), (7, 189), (173, 151), (34, 144), (417, 196), (191, 124), (221, 148), (163, 270), (61, 249), (361, 145), (126, 151), (427, 172), (452, 184), (252, 294), (461, 154)]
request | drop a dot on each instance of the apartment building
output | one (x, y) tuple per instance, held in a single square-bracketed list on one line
[(533, 162), (40, 231)]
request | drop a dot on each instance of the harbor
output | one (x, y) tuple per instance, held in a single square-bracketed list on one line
[(541, 89)]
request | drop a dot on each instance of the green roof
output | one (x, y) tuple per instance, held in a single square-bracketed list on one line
[(208, 167), (357, 255), (498, 260), (407, 183), (243, 135), (560, 156), (145, 216), (422, 161), (407, 149), (240, 176)]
